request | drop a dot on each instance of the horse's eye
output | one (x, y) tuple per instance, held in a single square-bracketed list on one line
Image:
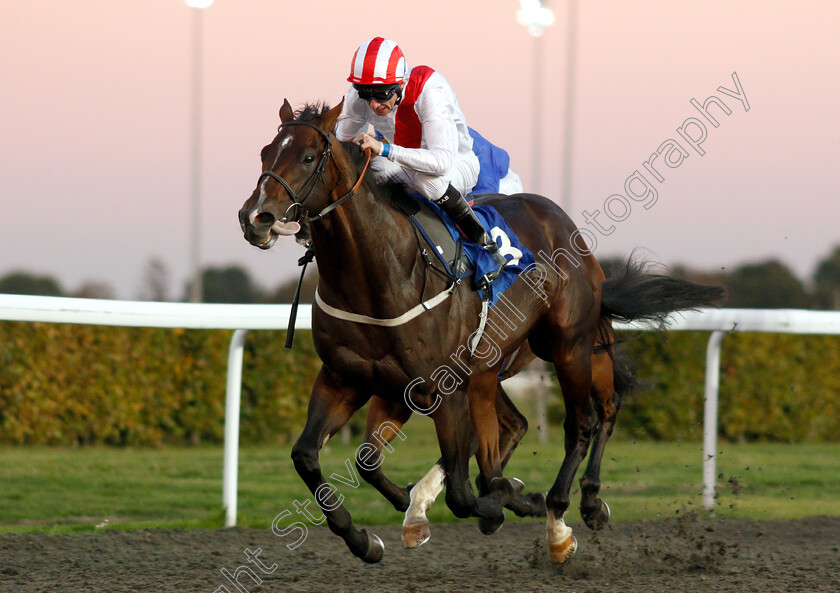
[(308, 159)]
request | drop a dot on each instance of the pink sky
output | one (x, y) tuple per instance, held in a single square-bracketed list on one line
[(95, 121)]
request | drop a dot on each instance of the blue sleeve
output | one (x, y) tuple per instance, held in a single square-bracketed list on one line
[(494, 163)]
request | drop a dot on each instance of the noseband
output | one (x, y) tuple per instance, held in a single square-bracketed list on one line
[(297, 206)]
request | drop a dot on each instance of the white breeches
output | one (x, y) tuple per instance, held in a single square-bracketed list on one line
[(510, 184), (462, 175)]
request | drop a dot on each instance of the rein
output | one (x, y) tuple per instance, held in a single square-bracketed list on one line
[(297, 206), (349, 194), (317, 174)]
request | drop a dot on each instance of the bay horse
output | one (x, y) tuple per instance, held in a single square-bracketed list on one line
[(378, 331)]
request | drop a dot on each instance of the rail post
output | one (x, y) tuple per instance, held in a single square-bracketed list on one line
[(232, 400), (710, 416)]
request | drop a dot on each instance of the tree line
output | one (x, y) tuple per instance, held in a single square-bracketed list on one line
[(767, 284)]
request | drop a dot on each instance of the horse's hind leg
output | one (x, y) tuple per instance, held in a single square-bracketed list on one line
[(488, 455), (593, 510), (330, 406), (384, 420), (572, 361)]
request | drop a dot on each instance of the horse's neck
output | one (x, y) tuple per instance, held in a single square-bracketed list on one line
[(367, 254)]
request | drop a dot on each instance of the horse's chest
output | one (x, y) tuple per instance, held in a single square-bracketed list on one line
[(385, 371), (381, 375)]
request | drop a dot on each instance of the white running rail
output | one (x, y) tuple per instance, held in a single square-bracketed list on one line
[(247, 317), (723, 321), (172, 315)]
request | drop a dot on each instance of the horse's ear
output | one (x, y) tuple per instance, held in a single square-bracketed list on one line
[(331, 117), (286, 113)]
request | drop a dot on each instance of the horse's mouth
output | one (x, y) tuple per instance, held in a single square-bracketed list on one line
[(269, 241), (278, 229)]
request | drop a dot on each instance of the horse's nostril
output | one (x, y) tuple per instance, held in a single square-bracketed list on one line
[(265, 218)]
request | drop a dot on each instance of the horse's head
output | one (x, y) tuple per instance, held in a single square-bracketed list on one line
[(296, 177)]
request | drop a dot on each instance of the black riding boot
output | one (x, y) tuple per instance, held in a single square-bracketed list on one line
[(454, 204)]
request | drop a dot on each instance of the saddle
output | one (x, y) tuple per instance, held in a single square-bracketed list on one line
[(441, 239), (452, 256), (436, 232)]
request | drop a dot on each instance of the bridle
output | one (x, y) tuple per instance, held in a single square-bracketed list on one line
[(297, 206)]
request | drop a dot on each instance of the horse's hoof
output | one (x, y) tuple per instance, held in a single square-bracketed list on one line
[(564, 550), (416, 535), (603, 517), (376, 550), (528, 505), (491, 526), (504, 489), (599, 519)]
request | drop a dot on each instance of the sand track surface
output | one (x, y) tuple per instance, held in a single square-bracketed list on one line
[(680, 554)]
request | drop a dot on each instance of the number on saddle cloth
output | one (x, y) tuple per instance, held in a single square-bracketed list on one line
[(430, 221), (519, 257)]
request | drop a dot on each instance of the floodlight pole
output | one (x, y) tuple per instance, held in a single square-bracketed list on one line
[(568, 123), (535, 18), (195, 148)]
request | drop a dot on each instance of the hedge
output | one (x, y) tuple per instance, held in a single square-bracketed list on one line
[(71, 384), (775, 387)]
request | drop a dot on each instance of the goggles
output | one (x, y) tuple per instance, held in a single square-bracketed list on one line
[(380, 92)]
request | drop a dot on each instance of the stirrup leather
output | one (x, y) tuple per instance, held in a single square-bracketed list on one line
[(454, 204)]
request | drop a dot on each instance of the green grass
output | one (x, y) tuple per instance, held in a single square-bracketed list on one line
[(88, 489)]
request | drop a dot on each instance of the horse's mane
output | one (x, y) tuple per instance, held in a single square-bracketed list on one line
[(385, 191), (312, 111)]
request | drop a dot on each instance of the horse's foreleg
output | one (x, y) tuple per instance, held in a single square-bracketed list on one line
[(416, 529), (330, 406), (595, 512), (452, 425), (384, 420), (513, 426)]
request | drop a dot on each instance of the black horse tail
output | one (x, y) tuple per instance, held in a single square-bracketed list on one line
[(637, 294), (625, 382)]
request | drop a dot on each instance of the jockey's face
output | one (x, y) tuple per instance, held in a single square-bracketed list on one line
[(385, 107)]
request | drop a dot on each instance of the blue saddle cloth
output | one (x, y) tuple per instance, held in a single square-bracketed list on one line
[(519, 257)]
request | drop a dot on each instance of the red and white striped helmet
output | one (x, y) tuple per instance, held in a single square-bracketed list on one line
[(378, 61)]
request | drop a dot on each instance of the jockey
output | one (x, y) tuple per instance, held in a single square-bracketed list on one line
[(421, 135)]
